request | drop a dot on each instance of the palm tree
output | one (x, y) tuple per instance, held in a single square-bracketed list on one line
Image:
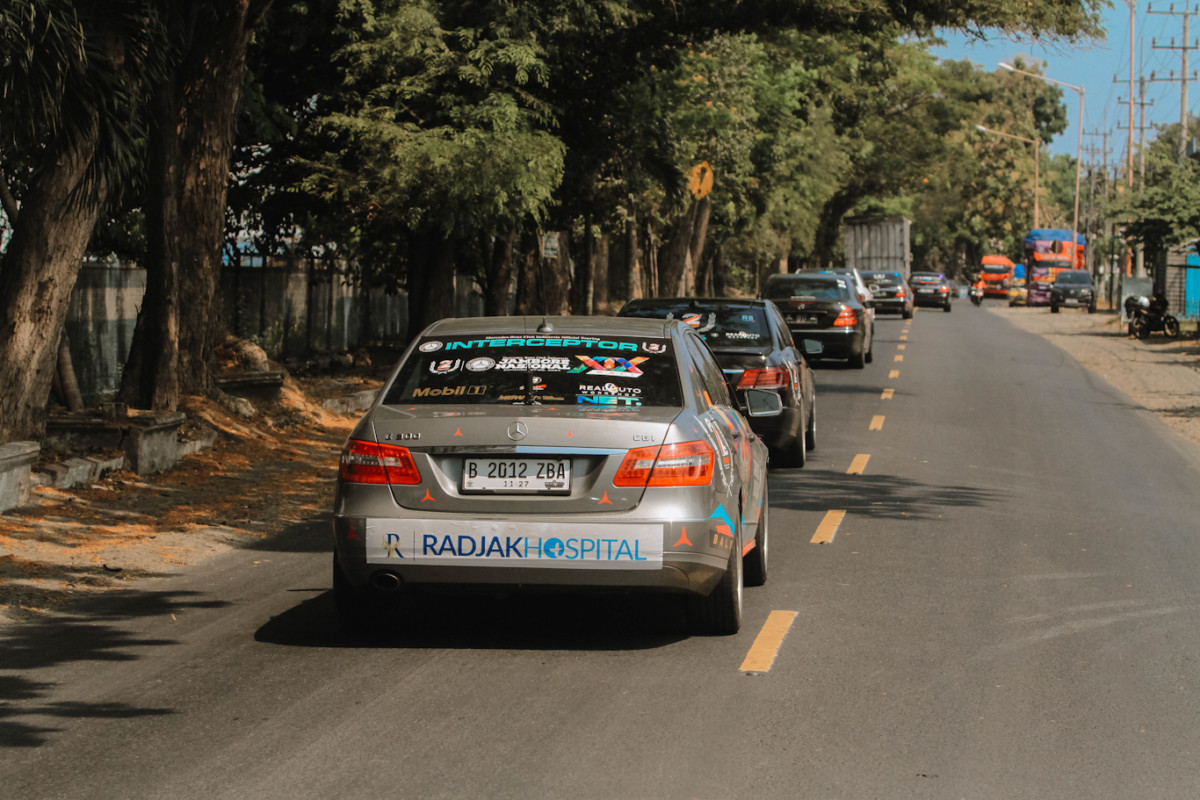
[(73, 77)]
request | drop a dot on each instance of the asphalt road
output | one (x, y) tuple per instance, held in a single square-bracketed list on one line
[(1006, 608)]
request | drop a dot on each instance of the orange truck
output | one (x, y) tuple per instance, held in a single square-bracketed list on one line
[(997, 275)]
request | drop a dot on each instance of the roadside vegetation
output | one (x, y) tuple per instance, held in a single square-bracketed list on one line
[(672, 147)]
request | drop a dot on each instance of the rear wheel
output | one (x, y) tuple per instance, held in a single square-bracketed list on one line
[(1171, 326), (755, 562), (720, 613), (1053, 308), (810, 433), (797, 452), (908, 314), (946, 308), (357, 612), (858, 360)]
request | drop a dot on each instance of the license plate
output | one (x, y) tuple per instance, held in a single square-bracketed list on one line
[(801, 318), (814, 347), (515, 475), (924, 291)]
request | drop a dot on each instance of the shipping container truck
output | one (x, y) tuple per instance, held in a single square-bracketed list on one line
[(878, 244)]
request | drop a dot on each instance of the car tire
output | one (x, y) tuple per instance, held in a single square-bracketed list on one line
[(1053, 308), (908, 314), (1092, 308), (355, 613), (720, 613), (810, 432), (754, 563), (858, 360), (946, 308)]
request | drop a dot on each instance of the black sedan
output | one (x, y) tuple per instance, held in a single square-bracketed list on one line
[(755, 350), (891, 292), (1073, 288), (931, 289), (824, 315)]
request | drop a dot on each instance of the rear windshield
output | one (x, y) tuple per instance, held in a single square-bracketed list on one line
[(819, 287), (719, 325), (1081, 278), (589, 372)]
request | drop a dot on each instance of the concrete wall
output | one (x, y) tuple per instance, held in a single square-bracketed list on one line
[(292, 308), (100, 321)]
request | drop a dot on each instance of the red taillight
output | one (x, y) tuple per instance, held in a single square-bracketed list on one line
[(901, 292), (369, 462), (686, 464), (764, 378), (846, 319), (944, 289)]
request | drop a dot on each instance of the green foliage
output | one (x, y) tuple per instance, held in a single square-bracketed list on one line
[(470, 119)]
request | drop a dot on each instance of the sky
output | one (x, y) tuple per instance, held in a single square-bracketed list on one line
[(1102, 70)]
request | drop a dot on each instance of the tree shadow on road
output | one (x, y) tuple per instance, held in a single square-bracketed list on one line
[(881, 496), (96, 633)]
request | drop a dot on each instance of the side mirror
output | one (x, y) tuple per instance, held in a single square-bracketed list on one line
[(761, 403)]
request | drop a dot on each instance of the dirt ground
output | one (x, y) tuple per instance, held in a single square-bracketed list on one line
[(277, 468), (263, 474)]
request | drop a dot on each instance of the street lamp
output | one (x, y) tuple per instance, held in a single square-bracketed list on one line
[(1078, 143), (1036, 158)]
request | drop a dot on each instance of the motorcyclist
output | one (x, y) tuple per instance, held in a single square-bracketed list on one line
[(977, 290)]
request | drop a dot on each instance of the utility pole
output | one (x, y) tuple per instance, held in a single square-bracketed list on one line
[(1183, 49)]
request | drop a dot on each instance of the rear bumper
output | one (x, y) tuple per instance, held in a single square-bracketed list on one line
[(890, 305), (938, 300), (829, 342), (642, 549)]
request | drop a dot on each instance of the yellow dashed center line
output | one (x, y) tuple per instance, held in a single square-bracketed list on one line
[(769, 640), (904, 337), (894, 374), (858, 464), (898, 357), (877, 422), (828, 527), (887, 394)]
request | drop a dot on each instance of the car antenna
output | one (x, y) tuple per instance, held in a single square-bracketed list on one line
[(545, 327)]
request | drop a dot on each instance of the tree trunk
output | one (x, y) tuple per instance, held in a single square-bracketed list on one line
[(192, 145), (499, 271), (696, 246), (633, 277), (600, 275), (674, 264), (40, 268)]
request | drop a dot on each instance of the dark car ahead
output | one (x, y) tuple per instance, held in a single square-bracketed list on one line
[(824, 315), (930, 289), (1073, 289), (891, 291), (754, 347)]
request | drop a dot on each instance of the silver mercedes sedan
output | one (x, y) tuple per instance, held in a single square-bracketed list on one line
[(586, 452)]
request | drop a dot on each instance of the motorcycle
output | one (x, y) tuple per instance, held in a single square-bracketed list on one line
[(1147, 316), (976, 294)]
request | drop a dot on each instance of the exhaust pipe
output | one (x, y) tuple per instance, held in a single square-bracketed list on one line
[(386, 581)]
